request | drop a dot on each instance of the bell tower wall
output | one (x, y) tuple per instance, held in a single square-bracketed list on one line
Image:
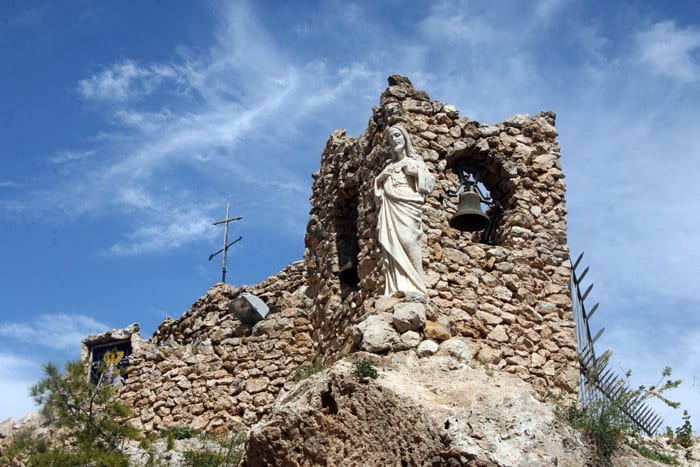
[(510, 299)]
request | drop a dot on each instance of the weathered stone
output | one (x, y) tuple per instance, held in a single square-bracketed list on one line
[(451, 111), (489, 130), (537, 360), (6, 428), (377, 334), (502, 293), (456, 348), (560, 299), (518, 121), (437, 330), (456, 256), (257, 384), (386, 304), (427, 348), (335, 399), (498, 334), (409, 316), (476, 252), (497, 421), (411, 339), (488, 318)]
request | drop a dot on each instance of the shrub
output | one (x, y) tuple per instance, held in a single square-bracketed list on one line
[(365, 369), (601, 426), (184, 432), (305, 371), (605, 423), (229, 453), (684, 433), (654, 454)]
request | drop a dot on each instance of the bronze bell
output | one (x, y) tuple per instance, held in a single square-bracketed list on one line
[(469, 216)]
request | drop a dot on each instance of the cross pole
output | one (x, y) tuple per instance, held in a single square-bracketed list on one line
[(224, 250)]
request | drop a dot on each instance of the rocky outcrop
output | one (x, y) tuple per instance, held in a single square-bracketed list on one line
[(337, 419), (431, 411)]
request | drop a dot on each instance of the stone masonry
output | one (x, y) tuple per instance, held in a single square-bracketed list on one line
[(208, 371), (510, 301)]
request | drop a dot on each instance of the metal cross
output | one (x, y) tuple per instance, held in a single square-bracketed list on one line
[(224, 250)]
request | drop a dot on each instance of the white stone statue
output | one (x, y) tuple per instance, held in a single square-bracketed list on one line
[(401, 188)]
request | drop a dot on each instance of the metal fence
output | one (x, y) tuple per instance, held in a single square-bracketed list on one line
[(597, 383)]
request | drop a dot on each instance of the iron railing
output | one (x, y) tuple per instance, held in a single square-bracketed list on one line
[(598, 384)]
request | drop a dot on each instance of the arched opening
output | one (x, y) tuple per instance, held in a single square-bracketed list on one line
[(491, 180)]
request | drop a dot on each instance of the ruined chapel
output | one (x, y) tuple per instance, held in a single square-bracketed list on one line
[(503, 300)]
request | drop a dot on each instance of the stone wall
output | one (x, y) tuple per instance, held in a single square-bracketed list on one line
[(511, 298), (208, 371)]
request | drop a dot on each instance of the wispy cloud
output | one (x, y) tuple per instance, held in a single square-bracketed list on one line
[(8, 184), (669, 50), (222, 134), (125, 81), (60, 331), (167, 230), (11, 364), (67, 156), (545, 10)]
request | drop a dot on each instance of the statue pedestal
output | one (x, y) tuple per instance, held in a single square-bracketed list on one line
[(401, 322)]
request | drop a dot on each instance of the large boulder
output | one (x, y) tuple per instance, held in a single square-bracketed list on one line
[(334, 418), (427, 411)]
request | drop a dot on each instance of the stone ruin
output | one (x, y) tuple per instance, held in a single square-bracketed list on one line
[(508, 305)]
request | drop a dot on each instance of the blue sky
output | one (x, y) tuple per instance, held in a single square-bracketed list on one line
[(127, 126)]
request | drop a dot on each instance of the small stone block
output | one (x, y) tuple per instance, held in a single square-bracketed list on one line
[(408, 316), (437, 330), (427, 348)]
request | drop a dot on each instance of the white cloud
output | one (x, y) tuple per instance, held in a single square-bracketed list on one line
[(112, 83), (60, 331), (230, 118), (168, 229), (546, 10), (125, 81), (8, 184), (670, 50), (17, 375), (454, 23), (11, 364), (68, 156)]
